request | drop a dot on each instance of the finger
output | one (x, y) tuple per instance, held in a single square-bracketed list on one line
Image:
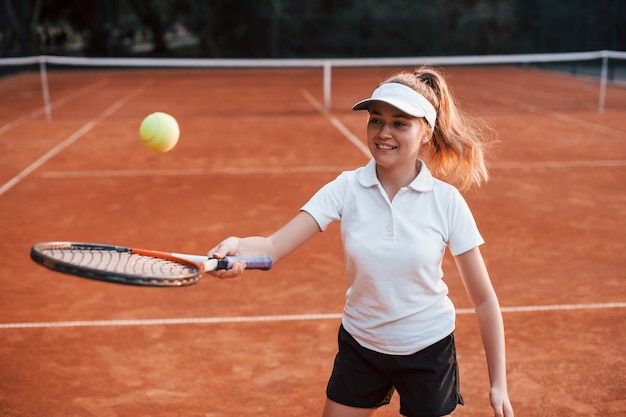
[(508, 410), (236, 270), (227, 247)]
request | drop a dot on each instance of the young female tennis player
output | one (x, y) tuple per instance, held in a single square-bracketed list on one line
[(396, 221)]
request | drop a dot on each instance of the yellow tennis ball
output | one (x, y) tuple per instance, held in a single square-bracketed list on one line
[(159, 132)]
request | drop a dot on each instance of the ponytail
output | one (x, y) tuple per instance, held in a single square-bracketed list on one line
[(455, 152)]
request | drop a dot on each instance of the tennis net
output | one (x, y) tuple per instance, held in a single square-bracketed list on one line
[(602, 67)]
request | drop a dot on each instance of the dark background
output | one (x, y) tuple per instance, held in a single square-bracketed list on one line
[(308, 28)]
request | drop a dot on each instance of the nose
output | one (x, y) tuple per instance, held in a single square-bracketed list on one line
[(385, 131)]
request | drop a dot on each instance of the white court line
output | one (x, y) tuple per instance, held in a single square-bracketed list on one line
[(299, 170), (335, 122), (53, 105), (559, 164), (70, 139), (191, 172), (588, 125), (278, 318)]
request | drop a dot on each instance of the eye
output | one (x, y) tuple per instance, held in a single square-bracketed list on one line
[(374, 121), (399, 124)]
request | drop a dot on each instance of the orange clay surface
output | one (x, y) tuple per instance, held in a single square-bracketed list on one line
[(254, 147)]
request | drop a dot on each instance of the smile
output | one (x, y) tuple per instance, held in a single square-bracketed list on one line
[(384, 147)]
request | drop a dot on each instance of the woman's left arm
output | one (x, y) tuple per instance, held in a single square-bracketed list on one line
[(483, 297)]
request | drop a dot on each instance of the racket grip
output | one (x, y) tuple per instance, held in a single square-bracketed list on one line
[(263, 262)]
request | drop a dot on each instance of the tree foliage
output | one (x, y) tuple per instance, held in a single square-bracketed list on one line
[(313, 28)]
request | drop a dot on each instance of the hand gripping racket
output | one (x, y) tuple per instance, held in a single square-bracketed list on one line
[(124, 265)]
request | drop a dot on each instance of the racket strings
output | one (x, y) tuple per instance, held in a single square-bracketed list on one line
[(123, 263)]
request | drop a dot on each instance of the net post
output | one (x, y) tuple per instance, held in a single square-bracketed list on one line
[(327, 85), (604, 71), (43, 74)]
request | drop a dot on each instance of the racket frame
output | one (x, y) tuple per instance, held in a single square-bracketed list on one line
[(197, 264)]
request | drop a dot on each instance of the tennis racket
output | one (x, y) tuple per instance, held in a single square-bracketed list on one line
[(133, 266)]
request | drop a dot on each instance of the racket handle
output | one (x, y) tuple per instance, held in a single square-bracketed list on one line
[(263, 262)]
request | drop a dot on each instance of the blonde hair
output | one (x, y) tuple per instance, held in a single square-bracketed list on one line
[(458, 142)]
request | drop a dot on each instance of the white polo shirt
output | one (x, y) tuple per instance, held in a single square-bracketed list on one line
[(397, 302)]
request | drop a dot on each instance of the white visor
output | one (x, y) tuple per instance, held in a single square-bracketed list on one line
[(403, 98)]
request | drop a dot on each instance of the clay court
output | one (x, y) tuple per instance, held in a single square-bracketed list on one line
[(255, 145)]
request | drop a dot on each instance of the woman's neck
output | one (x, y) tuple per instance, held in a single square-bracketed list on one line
[(392, 180)]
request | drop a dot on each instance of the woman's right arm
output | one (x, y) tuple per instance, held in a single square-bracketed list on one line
[(278, 245)]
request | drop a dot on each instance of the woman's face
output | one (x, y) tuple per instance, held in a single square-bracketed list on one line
[(394, 138)]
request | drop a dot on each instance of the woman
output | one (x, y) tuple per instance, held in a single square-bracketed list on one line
[(396, 221)]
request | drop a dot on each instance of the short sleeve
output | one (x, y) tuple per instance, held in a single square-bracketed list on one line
[(326, 205)]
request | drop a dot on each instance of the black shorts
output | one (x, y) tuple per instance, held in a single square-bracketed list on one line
[(427, 381)]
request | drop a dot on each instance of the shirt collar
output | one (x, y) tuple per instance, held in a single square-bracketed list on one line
[(424, 181)]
